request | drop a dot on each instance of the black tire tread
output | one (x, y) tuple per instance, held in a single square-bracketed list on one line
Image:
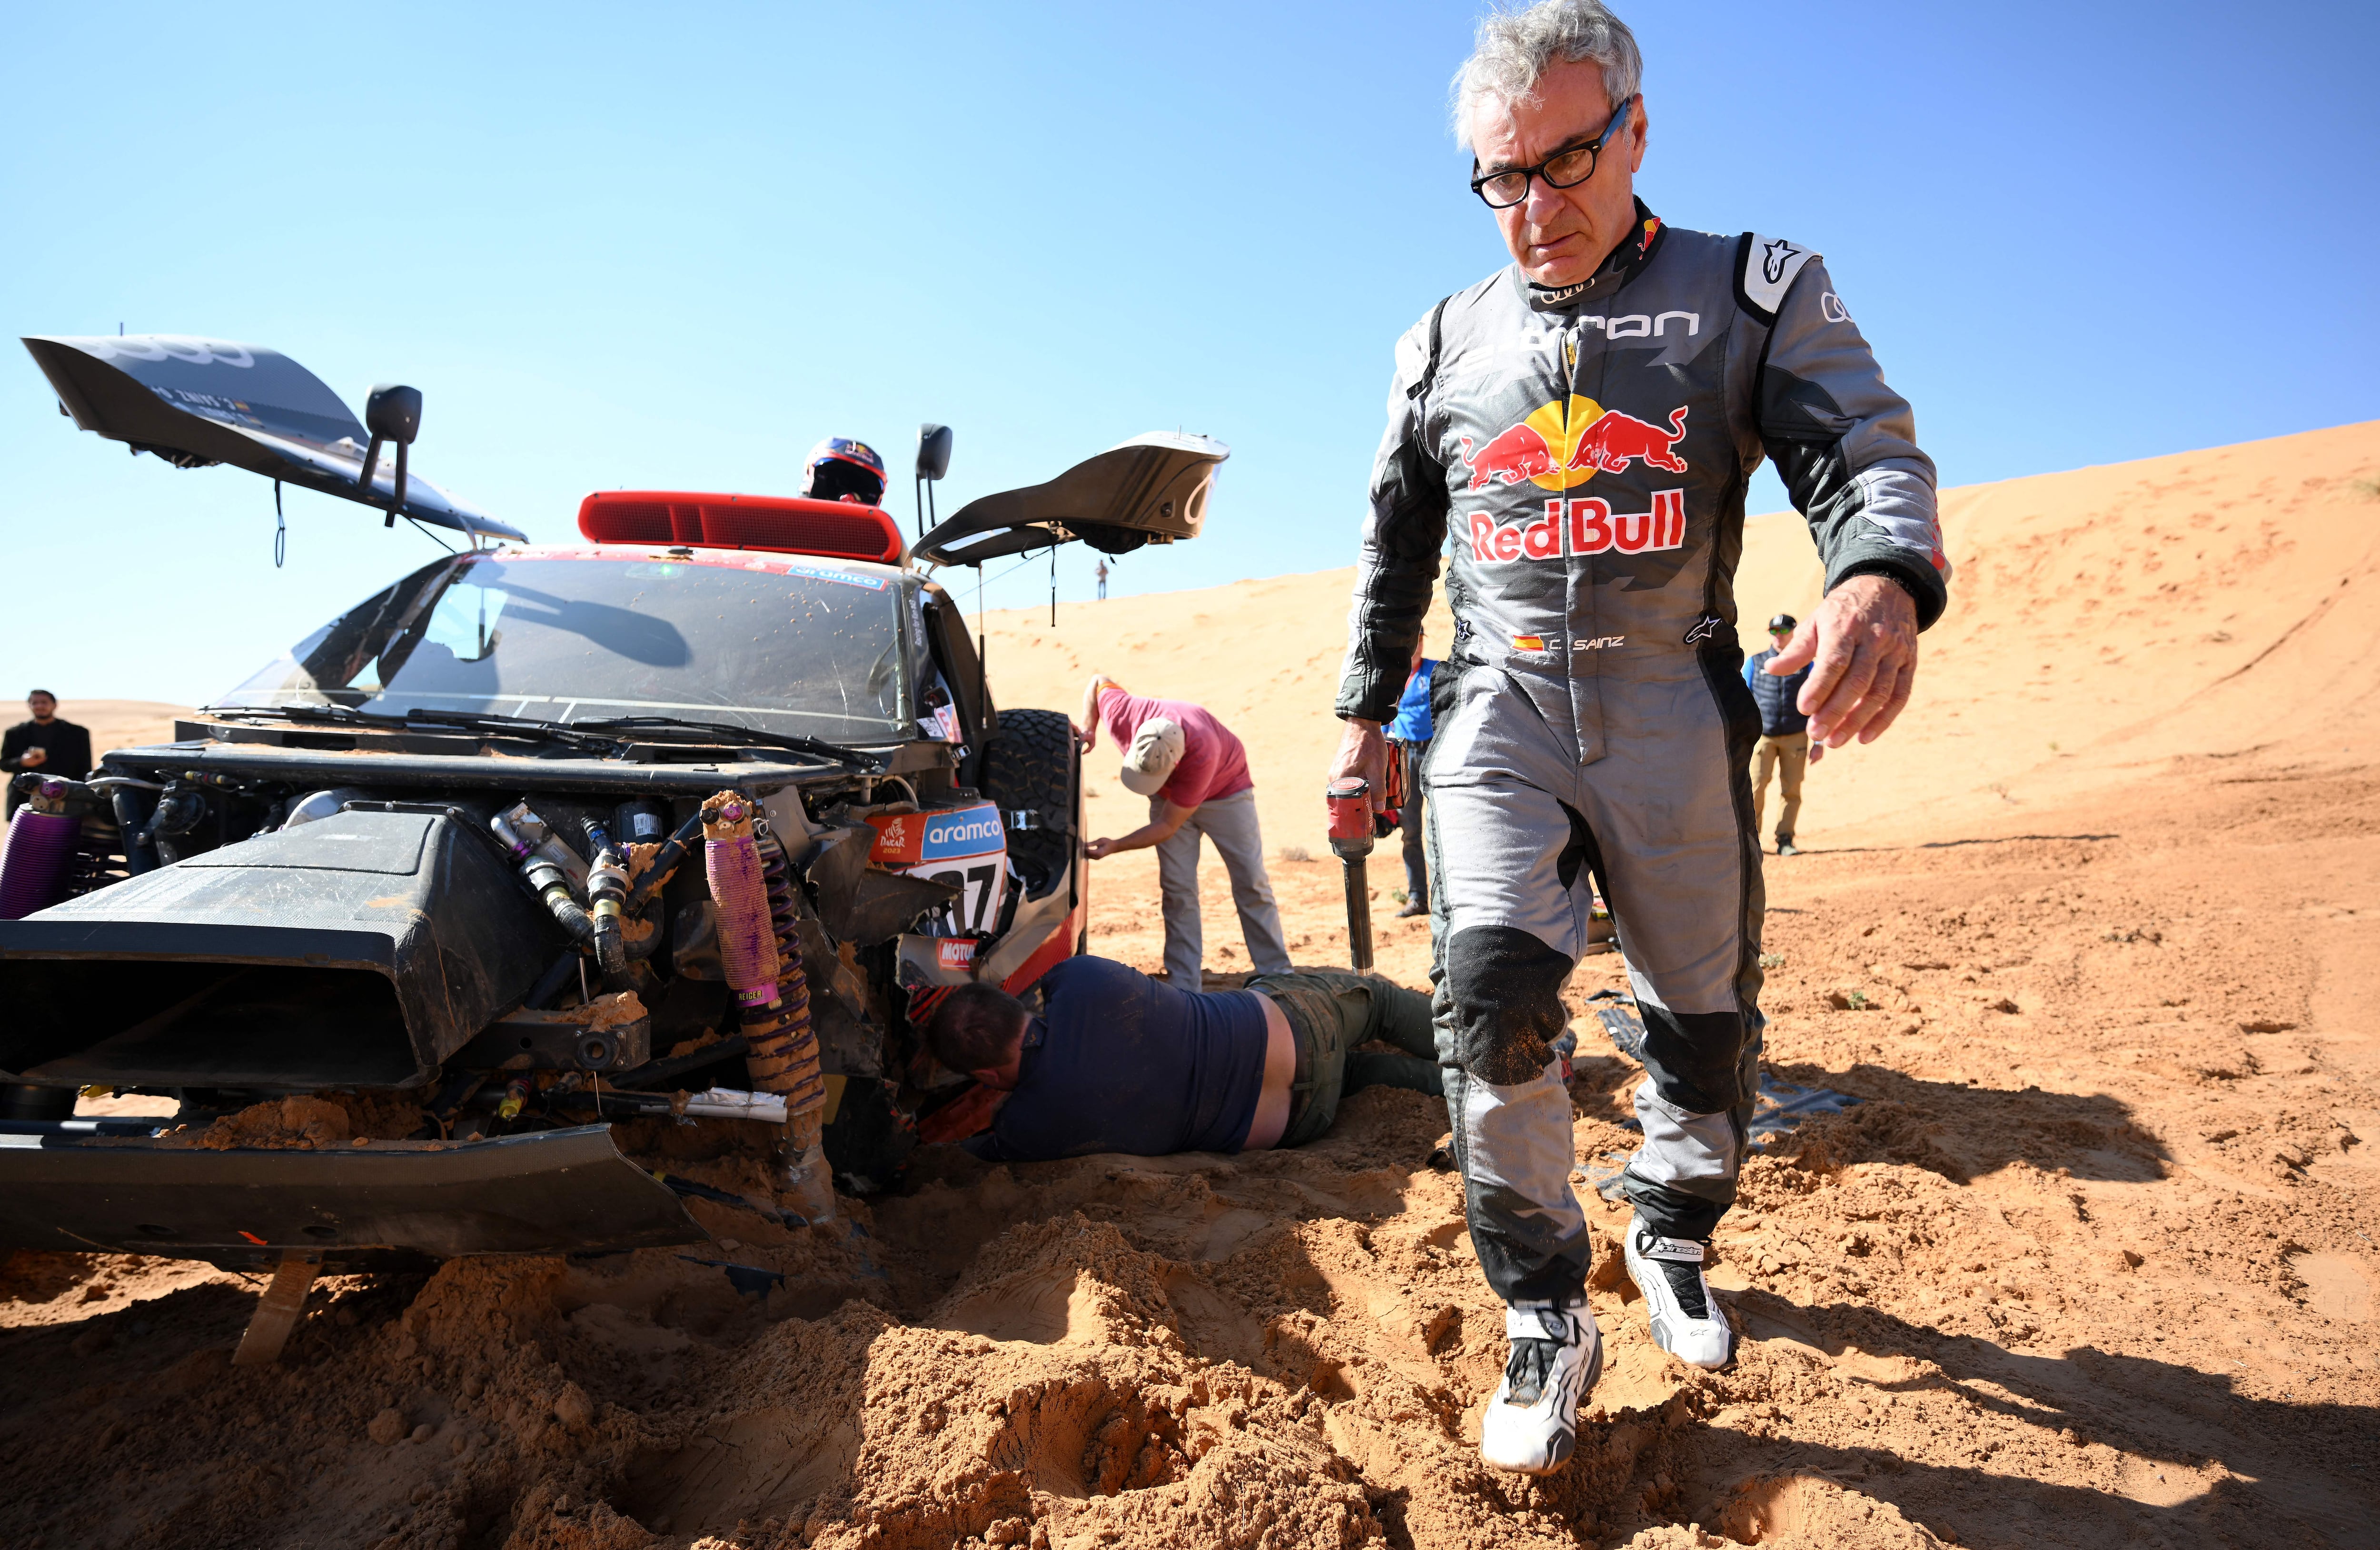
[(1031, 762)]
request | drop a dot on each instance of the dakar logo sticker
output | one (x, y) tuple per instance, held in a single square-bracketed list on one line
[(1562, 446), (1583, 526)]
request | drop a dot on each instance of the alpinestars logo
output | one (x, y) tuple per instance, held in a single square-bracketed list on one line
[(1559, 450), (1772, 259), (1581, 527)]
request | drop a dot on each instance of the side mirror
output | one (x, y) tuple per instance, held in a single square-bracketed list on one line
[(933, 450), (391, 413), (933, 461), (394, 413)]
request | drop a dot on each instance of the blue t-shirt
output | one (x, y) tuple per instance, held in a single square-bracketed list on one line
[(1118, 1062), (1412, 724)]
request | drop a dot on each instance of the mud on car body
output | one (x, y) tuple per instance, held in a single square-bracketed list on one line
[(689, 822)]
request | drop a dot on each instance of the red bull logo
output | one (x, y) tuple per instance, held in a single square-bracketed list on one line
[(1561, 446), (1518, 454), (1583, 526), (1615, 438)]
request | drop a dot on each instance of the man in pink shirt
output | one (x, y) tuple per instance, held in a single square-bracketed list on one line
[(1194, 774)]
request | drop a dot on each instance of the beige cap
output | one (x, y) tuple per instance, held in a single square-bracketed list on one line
[(1156, 749)]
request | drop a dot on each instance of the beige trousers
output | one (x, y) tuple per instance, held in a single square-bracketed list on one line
[(1787, 756)]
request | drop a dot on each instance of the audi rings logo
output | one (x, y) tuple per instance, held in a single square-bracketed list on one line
[(1831, 308), (183, 348)]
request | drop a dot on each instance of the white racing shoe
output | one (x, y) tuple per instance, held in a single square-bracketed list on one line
[(1687, 1322), (1532, 1424)]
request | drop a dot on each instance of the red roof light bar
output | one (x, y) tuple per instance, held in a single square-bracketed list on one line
[(779, 524)]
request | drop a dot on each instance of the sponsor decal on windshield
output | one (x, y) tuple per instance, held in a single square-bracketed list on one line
[(819, 573)]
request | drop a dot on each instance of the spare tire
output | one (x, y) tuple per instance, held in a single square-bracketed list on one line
[(1031, 764)]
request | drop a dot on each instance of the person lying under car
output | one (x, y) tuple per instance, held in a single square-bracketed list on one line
[(1116, 1061)]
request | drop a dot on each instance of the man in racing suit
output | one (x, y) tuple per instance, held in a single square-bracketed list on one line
[(1578, 431)]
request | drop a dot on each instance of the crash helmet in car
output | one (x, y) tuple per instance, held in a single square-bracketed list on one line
[(842, 468)]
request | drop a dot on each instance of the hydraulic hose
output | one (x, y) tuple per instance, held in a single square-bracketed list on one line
[(178, 812), (565, 970), (546, 877), (665, 860), (607, 887), (139, 854), (554, 888)]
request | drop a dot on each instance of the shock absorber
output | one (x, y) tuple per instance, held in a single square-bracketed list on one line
[(781, 1054)]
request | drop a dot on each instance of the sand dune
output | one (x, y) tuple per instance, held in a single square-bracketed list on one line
[(122, 723), (2208, 604)]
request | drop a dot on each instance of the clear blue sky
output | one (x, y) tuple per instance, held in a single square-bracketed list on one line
[(674, 246)]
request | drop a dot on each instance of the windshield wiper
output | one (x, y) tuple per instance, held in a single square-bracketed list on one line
[(513, 727), (461, 721), (725, 732)]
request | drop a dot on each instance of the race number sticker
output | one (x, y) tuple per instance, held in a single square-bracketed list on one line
[(964, 846)]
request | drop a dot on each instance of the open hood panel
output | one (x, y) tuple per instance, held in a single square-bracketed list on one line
[(195, 402), (1150, 489)]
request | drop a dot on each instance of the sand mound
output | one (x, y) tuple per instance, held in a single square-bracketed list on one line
[(2091, 1264), (2102, 620)]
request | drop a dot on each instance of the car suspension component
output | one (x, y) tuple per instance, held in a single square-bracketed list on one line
[(771, 992)]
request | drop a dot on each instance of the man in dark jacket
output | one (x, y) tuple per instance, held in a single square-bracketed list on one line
[(45, 745), (1784, 732)]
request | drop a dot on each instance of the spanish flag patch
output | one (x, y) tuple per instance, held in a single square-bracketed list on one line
[(1528, 642)]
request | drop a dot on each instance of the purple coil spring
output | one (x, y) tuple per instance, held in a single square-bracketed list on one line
[(34, 861)]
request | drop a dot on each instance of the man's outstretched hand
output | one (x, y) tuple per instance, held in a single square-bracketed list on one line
[(1363, 751), (1863, 641)]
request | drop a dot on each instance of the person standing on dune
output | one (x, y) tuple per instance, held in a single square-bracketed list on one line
[(1408, 738), (1784, 749), (1583, 425)]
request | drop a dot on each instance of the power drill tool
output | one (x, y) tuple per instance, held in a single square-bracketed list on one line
[(1356, 822)]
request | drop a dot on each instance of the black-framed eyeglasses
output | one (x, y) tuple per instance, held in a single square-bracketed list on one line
[(1564, 169)]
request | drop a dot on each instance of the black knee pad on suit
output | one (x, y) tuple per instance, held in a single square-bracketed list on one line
[(1505, 988), (1697, 1059)]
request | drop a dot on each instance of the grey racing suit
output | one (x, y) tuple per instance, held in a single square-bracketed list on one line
[(1583, 455)]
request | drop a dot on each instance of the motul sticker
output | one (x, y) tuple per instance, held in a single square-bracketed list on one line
[(1583, 526), (956, 954)]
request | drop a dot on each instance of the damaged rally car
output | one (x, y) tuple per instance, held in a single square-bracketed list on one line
[(691, 820)]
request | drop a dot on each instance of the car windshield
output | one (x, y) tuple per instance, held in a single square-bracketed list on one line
[(779, 646)]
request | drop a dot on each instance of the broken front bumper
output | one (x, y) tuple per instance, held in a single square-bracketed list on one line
[(106, 1186)]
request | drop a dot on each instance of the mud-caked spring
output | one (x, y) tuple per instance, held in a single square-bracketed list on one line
[(782, 1049)]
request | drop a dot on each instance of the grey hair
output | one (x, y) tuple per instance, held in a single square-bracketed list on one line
[(1515, 48)]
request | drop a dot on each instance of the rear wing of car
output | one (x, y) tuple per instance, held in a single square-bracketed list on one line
[(1152, 489), (197, 402)]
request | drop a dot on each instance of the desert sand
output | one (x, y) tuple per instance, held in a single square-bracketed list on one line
[(2094, 933)]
